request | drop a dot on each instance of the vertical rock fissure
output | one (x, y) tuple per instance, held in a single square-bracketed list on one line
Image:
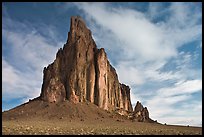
[(96, 79)]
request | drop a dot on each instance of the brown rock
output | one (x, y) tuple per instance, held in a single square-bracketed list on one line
[(81, 72), (125, 95), (141, 113), (138, 107), (73, 69)]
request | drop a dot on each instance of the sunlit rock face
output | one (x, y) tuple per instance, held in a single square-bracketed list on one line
[(81, 72)]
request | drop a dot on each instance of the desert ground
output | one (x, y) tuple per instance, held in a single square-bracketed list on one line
[(40, 118)]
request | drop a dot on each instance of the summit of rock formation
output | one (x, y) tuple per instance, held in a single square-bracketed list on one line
[(81, 72)]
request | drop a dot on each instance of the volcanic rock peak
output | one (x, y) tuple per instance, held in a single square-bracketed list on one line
[(81, 73), (141, 113), (77, 29)]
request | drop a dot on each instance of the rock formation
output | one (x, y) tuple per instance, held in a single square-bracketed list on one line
[(81, 72), (141, 113)]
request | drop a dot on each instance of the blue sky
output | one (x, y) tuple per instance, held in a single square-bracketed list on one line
[(156, 49)]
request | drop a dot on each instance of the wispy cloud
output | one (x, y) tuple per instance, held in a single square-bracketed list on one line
[(15, 83), (145, 49), (169, 96), (179, 88), (24, 58)]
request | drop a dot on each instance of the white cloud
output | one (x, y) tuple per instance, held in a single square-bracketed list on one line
[(189, 87), (24, 58), (170, 105), (129, 74), (182, 116), (8, 73), (15, 84), (140, 50), (29, 48), (133, 30), (138, 39)]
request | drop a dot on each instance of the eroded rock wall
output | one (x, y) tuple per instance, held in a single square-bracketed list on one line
[(81, 72)]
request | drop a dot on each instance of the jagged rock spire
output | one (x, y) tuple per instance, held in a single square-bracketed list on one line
[(141, 113), (81, 72)]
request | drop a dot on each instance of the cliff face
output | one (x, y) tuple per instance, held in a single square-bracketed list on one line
[(81, 72)]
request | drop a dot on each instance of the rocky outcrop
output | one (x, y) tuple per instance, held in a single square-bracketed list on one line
[(81, 72), (141, 113)]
